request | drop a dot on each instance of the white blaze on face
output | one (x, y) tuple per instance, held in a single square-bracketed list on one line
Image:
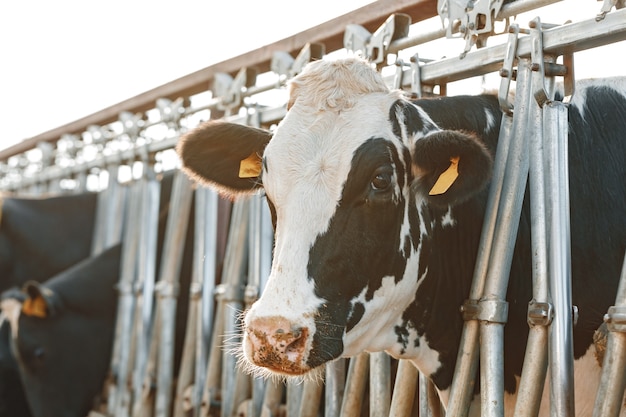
[(11, 309)]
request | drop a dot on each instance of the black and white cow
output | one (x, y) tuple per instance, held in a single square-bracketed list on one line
[(38, 239), (366, 259)]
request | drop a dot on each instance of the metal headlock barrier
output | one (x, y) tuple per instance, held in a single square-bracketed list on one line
[(128, 165)]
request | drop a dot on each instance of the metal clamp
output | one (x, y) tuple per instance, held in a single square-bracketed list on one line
[(539, 313), (486, 309), (508, 73), (170, 111), (227, 292), (607, 6), (229, 90), (615, 319), (374, 46), (285, 65), (166, 289)]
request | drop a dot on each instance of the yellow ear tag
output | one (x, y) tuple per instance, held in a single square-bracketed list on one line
[(250, 167), (447, 178), (34, 307)]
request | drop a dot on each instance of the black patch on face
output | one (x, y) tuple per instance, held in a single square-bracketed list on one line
[(361, 245)]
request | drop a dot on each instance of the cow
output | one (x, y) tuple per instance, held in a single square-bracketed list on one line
[(373, 253), (77, 310), (39, 237)]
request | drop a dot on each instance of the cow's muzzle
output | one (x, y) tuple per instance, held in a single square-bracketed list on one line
[(277, 344)]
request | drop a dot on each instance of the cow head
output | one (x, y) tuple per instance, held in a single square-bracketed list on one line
[(349, 175)]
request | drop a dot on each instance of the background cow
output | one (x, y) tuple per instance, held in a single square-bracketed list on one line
[(39, 237), (370, 254)]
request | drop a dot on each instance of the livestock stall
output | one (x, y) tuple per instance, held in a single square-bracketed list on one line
[(124, 151)]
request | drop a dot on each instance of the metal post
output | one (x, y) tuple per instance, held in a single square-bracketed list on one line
[(462, 389), (205, 267), (335, 386), (561, 332), (613, 380), (109, 214), (126, 303), (535, 366), (355, 385), (230, 296), (311, 395), (167, 288), (380, 384), (404, 389), (144, 284)]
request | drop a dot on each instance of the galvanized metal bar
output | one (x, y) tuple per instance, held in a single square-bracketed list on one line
[(380, 384), (109, 214), (404, 389), (230, 297), (272, 399), (144, 285), (613, 380), (493, 306), (426, 393), (294, 398), (491, 263), (311, 396), (561, 332), (167, 288), (355, 385), (205, 268), (535, 365), (335, 386), (120, 356)]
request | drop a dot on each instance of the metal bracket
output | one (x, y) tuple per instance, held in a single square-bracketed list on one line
[(170, 111), (131, 124), (607, 6), (486, 309), (615, 319), (539, 313), (374, 46), (474, 18), (229, 90), (507, 72), (544, 67), (284, 64)]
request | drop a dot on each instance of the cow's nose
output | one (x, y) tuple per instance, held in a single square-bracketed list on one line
[(277, 344)]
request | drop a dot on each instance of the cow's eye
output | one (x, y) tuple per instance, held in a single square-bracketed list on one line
[(381, 181)]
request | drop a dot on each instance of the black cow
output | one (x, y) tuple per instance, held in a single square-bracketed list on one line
[(39, 237), (67, 322), (366, 258)]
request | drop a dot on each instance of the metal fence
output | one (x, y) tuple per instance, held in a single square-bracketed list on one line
[(123, 160)]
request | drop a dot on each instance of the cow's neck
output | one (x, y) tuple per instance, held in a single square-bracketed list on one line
[(432, 323)]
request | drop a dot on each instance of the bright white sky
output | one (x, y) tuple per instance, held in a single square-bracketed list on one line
[(66, 59)]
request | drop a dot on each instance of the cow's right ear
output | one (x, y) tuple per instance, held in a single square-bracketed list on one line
[(225, 156)]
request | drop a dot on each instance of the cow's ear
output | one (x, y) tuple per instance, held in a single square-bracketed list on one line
[(450, 167), (38, 301), (225, 156)]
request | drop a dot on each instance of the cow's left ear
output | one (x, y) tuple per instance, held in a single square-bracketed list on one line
[(450, 167), (225, 156), (39, 300)]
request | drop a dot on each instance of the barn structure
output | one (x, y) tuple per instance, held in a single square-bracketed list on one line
[(122, 153)]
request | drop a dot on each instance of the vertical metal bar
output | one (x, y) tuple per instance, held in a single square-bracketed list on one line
[(462, 389), (335, 386), (428, 399), (311, 395), (126, 303), (175, 233), (535, 366), (613, 378), (205, 264), (561, 331), (144, 285), (492, 319), (231, 297), (404, 389), (294, 398), (380, 384), (355, 385)]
